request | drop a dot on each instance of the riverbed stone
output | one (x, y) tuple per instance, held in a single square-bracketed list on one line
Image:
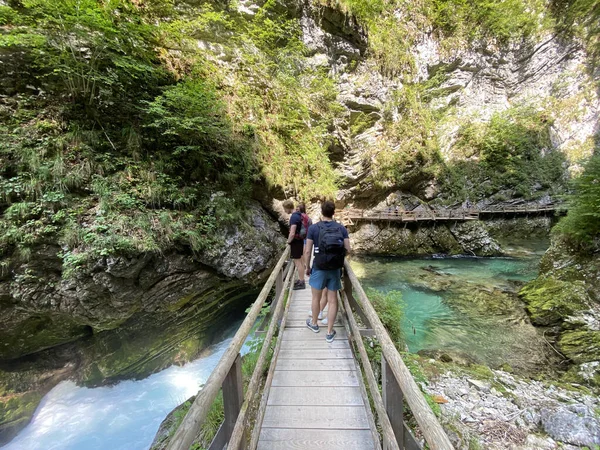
[(479, 385), (567, 426)]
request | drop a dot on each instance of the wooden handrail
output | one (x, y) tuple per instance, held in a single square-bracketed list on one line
[(193, 420), (432, 431), (389, 439), (238, 432)]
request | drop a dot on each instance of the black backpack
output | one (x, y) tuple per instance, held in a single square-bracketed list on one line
[(331, 250)]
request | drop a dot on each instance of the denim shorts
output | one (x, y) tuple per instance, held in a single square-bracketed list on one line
[(330, 279)]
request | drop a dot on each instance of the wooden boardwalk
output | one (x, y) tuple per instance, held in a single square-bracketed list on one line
[(434, 215), (313, 395), (316, 399)]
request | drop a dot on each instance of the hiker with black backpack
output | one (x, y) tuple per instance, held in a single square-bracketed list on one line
[(299, 224), (331, 244)]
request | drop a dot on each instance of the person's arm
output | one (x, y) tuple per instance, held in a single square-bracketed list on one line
[(347, 246), (292, 234), (307, 252)]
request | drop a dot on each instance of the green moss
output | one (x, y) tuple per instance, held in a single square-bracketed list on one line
[(580, 345), (39, 332), (550, 301), (16, 410)]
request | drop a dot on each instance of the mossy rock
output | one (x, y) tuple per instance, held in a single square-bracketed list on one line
[(583, 374), (550, 301), (580, 345), (16, 411), (38, 333)]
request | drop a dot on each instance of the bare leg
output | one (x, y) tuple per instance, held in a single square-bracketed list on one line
[(324, 300), (333, 307), (316, 296), (300, 266)]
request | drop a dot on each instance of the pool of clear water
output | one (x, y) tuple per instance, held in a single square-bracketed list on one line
[(443, 310)]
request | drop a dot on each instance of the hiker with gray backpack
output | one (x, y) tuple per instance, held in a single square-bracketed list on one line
[(331, 245), (299, 224)]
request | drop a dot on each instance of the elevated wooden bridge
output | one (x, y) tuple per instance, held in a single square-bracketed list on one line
[(308, 394), (349, 216)]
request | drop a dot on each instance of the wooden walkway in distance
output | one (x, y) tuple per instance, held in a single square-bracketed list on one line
[(316, 399), (434, 215)]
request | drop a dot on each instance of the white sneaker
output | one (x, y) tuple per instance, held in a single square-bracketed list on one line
[(319, 317), (324, 321)]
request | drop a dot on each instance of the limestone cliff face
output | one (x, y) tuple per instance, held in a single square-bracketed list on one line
[(477, 82)]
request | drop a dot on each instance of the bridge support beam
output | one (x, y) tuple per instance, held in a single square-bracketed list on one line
[(393, 400)]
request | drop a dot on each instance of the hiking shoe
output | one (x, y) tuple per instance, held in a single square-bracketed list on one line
[(298, 285), (329, 337), (311, 326), (324, 321)]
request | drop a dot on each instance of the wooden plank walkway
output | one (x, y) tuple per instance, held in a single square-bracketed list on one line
[(422, 215), (316, 399)]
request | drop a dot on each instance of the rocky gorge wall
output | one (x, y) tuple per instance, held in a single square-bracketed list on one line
[(564, 301), (550, 74), (121, 317)]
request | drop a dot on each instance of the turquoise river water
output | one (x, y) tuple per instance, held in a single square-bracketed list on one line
[(464, 306)]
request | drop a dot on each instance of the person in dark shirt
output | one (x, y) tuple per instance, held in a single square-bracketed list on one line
[(321, 279), (296, 245)]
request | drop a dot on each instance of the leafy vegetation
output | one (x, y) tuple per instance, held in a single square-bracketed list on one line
[(121, 134), (581, 226), (509, 156), (581, 17), (394, 27), (390, 309), (410, 151)]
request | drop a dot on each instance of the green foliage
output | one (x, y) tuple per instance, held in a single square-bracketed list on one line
[(410, 152), (394, 27), (390, 309), (117, 157), (581, 17), (193, 125), (511, 151), (97, 53), (582, 224), (502, 20), (391, 35), (291, 110), (214, 419)]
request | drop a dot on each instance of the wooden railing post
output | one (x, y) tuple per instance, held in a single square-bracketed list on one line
[(352, 300), (233, 395), (393, 401), (278, 288)]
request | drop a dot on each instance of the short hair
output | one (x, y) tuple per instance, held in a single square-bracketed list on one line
[(302, 208), (288, 204), (328, 209)]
